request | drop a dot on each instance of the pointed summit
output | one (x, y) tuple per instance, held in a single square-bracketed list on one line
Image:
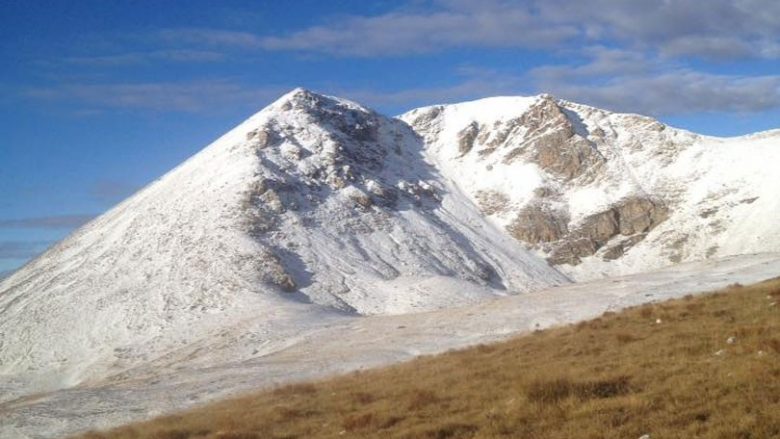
[(314, 204), (300, 98), (297, 95)]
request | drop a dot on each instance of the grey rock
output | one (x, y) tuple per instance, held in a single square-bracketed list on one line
[(537, 224), (632, 217), (466, 138)]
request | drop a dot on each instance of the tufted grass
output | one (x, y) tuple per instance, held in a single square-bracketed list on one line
[(618, 376)]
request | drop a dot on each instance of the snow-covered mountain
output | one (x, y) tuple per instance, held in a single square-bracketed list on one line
[(314, 199), (316, 208), (600, 193)]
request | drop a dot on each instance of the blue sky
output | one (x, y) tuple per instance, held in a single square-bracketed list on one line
[(98, 98)]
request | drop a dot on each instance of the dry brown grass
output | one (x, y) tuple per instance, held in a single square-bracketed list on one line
[(619, 376)]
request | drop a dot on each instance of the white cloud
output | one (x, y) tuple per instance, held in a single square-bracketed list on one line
[(629, 55), (672, 92), (719, 29), (192, 96), (47, 222), (129, 58)]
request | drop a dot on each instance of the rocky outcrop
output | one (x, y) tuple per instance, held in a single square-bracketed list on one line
[(639, 215), (537, 224), (550, 230), (567, 158), (554, 144), (632, 217), (466, 138), (261, 138), (273, 271), (618, 250), (572, 250)]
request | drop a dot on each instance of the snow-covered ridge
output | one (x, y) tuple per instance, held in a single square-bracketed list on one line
[(601, 193), (775, 133)]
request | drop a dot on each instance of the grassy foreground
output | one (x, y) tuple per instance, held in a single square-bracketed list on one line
[(706, 366)]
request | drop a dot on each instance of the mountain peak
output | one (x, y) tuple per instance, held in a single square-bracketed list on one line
[(296, 97), (300, 93), (300, 98)]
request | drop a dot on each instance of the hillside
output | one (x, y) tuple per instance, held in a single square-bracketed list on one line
[(705, 367)]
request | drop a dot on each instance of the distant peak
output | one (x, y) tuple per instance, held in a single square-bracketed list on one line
[(300, 91), (301, 99), (299, 94)]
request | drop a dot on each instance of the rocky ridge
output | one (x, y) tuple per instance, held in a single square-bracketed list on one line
[(592, 191)]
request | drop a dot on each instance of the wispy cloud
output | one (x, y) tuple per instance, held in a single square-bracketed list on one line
[(46, 222), (192, 96), (130, 58), (456, 26), (628, 81), (208, 37), (678, 92), (22, 249), (604, 52), (612, 79), (674, 28), (719, 29), (474, 83), (600, 61), (111, 191)]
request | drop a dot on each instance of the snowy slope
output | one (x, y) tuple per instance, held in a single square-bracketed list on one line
[(351, 343), (601, 193), (314, 199)]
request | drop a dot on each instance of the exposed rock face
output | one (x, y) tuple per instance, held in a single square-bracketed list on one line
[(600, 227), (545, 192), (639, 215), (273, 271), (538, 224), (571, 251), (549, 229), (568, 158), (554, 143), (260, 138), (632, 217), (619, 249), (466, 138)]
